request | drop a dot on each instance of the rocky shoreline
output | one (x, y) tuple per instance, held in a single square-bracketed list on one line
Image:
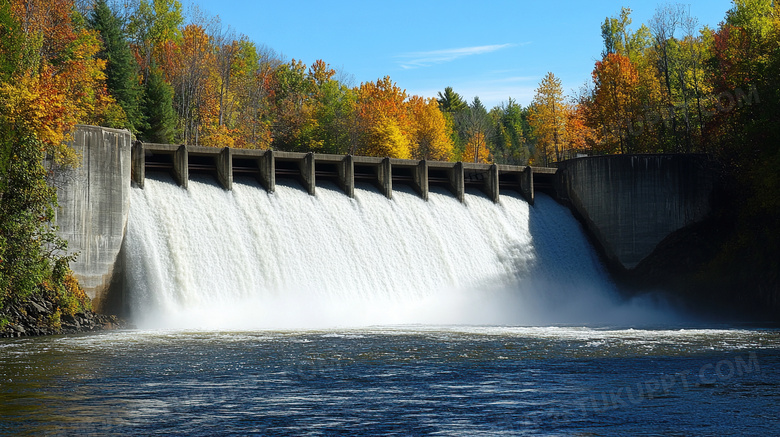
[(34, 318)]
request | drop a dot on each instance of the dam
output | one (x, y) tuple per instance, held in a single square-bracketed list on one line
[(174, 230)]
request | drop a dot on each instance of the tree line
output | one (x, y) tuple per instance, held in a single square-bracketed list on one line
[(198, 82)]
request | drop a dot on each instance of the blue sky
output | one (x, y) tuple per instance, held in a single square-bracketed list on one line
[(493, 49)]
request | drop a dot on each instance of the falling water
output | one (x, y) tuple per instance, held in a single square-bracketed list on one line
[(204, 257)]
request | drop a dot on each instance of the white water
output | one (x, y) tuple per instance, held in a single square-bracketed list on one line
[(246, 259)]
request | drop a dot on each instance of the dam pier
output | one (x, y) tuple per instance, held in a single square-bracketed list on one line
[(266, 166)]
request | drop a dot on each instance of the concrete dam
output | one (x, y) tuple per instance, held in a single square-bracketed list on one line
[(174, 230)]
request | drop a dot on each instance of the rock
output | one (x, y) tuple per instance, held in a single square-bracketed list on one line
[(31, 318), (37, 307)]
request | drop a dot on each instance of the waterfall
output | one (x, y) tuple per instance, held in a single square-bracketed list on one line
[(204, 257)]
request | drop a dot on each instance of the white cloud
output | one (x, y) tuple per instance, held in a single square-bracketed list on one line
[(491, 91), (426, 59)]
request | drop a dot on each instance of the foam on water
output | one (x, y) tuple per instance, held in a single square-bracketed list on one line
[(247, 259)]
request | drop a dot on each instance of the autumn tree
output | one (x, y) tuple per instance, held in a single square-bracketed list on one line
[(430, 133), (615, 81), (196, 99), (228, 49), (665, 24), (253, 88), (548, 119), (49, 81), (383, 119), (153, 28)]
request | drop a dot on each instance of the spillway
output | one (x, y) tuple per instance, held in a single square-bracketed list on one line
[(204, 257)]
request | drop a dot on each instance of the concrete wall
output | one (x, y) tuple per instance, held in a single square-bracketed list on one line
[(94, 200), (631, 203)]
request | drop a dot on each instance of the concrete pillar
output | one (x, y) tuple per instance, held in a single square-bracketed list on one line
[(421, 178), (181, 170), (138, 161), (347, 176), (385, 178), (268, 171), (307, 172), (527, 185), (224, 163), (457, 183), (491, 183)]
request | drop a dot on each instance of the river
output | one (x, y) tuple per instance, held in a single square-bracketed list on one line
[(402, 380)]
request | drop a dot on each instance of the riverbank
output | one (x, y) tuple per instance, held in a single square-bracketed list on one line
[(39, 316)]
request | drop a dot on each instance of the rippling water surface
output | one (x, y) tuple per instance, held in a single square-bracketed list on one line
[(394, 381)]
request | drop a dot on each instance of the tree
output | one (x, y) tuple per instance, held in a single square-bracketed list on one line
[(618, 38), (227, 52), (476, 149), (152, 27), (253, 86), (615, 103), (294, 106), (121, 68), (382, 115), (196, 97), (385, 138), (451, 101), (664, 25), (336, 127), (548, 118), (158, 107), (509, 145), (476, 129), (430, 131)]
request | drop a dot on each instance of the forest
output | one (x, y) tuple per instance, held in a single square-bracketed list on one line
[(666, 86)]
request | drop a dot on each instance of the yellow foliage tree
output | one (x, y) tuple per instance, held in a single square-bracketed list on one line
[(382, 114), (431, 133), (548, 119), (476, 149), (385, 138)]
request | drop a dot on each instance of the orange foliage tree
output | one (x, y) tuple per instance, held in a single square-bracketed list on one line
[(615, 101), (383, 119)]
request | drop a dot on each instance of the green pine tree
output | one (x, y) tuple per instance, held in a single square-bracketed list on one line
[(451, 101), (121, 68), (158, 110)]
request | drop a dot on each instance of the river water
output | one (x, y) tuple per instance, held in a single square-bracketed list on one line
[(288, 314), (410, 380)]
